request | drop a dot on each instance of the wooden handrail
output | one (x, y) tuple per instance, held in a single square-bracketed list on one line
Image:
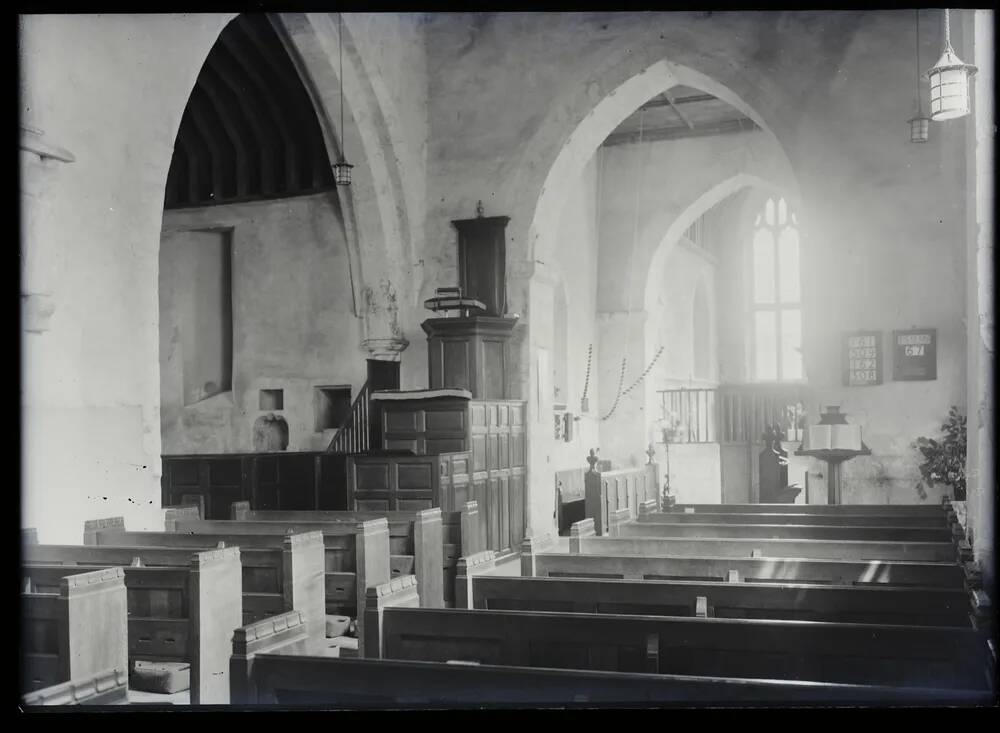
[(354, 435)]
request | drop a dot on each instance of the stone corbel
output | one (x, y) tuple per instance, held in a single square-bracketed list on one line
[(385, 349)]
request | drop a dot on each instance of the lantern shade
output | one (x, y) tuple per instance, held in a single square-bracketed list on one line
[(949, 81), (342, 173), (919, 129)]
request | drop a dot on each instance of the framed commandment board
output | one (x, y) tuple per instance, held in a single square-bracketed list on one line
[(914, 354), (862, 358)]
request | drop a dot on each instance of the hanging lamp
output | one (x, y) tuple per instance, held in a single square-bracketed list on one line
[(949, 81), (341, 169), (919, 125)]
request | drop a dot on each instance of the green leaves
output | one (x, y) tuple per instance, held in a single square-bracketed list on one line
[(945, 458)]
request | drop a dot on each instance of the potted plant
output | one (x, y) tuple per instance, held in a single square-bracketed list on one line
[(944, 458)]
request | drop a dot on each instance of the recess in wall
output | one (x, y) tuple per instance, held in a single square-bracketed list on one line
[(272, 399), (333, 406)]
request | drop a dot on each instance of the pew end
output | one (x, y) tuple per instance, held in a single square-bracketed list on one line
[(578, 531), (481, 562), (285, 633), (399, 592), (530, 548), (93, 527)]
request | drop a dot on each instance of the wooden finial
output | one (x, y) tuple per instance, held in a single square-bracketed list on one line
[(592, 460), (650, 453), (479, 209)]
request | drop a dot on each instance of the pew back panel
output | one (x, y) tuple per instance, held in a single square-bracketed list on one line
[(780, 548), (791, 601), (832, 520), (785, 531), (785, 570), (920, 656), (365, 683)]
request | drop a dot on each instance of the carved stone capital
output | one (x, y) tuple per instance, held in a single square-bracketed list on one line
[(385, 349)]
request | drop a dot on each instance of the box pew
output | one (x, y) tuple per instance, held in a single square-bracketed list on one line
[(789, 601), (176, 614), (355, 556), (709, 529), (918, 656), (107, 687), (274, 579), (356, 553), (73, 626), (288, 679), (583, 540), (415, 540), (461, 531)]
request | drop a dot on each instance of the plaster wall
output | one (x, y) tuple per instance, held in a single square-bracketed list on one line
[(90, 385), (293, 327)]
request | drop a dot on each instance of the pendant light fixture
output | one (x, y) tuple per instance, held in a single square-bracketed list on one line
[(342, 169), (949, 81), (919, 125)]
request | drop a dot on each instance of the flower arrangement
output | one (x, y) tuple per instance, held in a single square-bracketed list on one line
[(945, 457)]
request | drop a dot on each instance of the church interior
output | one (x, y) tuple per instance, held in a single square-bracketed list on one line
[(529, 359)]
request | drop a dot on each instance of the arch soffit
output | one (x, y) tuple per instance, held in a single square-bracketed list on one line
[(632, 77), (376, 211)]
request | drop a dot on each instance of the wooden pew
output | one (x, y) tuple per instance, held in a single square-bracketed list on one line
[(355, 556), (739, 569), (924, 510), (73, 627), (415, 540), (107, 687), (584, 540), (274, 580), (709, 529), (790, 601), (918, 656), (286, 633), (176, 614), (837, 520), (461, 531), (289, 679)]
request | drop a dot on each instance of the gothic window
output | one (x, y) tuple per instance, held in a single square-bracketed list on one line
[(775, 298)]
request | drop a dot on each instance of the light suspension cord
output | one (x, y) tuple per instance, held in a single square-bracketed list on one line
[(340, 39), (919, 105)]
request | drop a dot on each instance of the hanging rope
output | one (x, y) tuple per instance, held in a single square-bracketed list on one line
[(586, 380)]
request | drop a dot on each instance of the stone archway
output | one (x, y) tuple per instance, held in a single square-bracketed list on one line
[(627, 81)]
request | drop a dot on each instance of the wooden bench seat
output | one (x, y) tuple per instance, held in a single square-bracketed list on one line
[(777, 517), (461, 534), (73, 626), (783, 570), (274, 579), (918, 656), (355, 556), (175, 614), (583, 540), (415, 541), (288, 679), (708, 529), (927, 510), (849, 604)]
